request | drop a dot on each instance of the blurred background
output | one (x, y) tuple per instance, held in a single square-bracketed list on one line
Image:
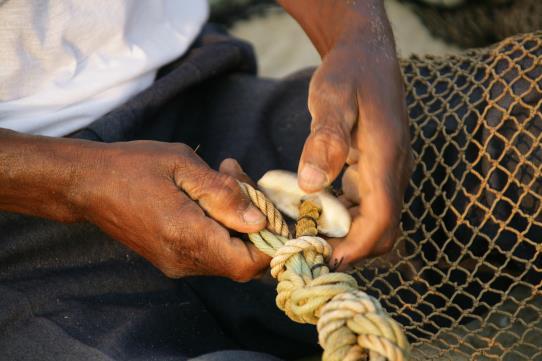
[(282, 47), (420, 26)]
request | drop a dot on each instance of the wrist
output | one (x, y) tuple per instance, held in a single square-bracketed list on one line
[(329, 24), (41, 176)]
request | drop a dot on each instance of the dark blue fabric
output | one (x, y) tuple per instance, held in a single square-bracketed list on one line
[(235, 356), (69, 292)]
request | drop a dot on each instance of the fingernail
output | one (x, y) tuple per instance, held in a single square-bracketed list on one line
[(253, 215), (237, 166), (312, 178)]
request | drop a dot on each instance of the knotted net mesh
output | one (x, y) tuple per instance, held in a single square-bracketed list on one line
[(465, 278)]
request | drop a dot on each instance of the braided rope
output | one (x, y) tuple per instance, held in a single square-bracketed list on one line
[(351, 325), (276, 223)]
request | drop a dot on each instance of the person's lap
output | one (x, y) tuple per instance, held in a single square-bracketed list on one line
[(235, 356), (71, 292)]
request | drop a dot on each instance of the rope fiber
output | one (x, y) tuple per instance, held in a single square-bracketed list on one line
[(352, 325)]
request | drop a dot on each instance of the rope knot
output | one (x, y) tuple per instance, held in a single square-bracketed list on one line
[(303, 289), (293, 247), (352, 325), (353, 322)]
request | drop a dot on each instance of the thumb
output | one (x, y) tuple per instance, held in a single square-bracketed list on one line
[(334, 114), (232, 168), (324, 155), (222, 198)]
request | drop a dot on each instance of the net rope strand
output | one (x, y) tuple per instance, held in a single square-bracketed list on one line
[(351, 324), (465, 276)]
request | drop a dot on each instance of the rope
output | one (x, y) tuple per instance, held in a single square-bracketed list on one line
[(351, 325), (275, 222), (307, 223)]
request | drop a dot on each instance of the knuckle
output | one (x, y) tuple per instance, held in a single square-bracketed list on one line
[(181, 148), (171, 264), (244, 273), (225, 190), (325, 84), (215, 235), (332, 138), (229, 183), (171, 272), (385, 246), (169, 231), (333, 97)]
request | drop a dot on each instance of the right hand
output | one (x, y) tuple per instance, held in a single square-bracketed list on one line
[(165, 203)]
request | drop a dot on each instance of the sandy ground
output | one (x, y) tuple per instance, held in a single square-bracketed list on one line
[(283, 48)]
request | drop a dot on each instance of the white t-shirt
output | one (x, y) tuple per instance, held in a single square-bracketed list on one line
[(64, 63)]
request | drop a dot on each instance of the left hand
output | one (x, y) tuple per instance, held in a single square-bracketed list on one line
[(358, 110), (359, 117)]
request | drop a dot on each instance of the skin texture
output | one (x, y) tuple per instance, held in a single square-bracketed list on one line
[(165, 203), (356, 100), (159, 199)]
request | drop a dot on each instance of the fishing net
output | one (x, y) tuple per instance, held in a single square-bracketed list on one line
[(476, 23), (465, 279)]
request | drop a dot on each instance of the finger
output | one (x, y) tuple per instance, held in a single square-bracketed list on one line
[(220, 196), (326, 148), (365, 239), (248, 262), (232, 168), (350, 185), (233, 258), (201, 246), (374, 228), (353, 156), (344, 201), (380, 183), (323, 156), (353, 152)]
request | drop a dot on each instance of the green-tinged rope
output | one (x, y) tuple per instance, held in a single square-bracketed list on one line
[(352, 325)]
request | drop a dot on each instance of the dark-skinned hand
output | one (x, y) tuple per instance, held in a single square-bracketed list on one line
[(164, 202), (356, 100), (159, 199)]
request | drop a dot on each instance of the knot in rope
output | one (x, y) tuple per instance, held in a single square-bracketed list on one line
[(309, 246), (305, 284), (351, 324)]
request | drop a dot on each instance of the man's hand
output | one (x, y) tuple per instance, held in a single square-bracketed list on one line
[(164, 202), (159, 199), (356, 100)]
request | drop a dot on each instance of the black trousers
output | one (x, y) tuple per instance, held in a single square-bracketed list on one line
[(69, 292)]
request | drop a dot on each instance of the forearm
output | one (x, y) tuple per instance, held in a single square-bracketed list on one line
[(39, 175), (330, 23)]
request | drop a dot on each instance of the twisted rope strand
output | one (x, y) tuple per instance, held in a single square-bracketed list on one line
[(351, 325), (275, 221)]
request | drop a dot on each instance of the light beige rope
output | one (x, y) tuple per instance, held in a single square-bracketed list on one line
[(275, 221), (351, 324)]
